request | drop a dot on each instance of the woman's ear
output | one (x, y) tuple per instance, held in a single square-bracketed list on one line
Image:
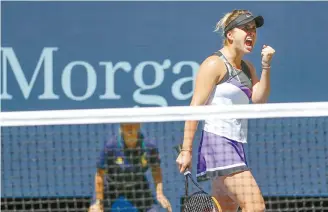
[(229, 36)]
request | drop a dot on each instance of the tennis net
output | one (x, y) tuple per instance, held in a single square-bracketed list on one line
[(49, 157)]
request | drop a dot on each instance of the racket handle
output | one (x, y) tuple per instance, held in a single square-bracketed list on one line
[(187, 172), (186, 187)]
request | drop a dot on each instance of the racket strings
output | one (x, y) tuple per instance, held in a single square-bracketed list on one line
[(199, 202)]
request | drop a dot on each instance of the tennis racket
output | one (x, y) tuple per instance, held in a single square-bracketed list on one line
[(199, 201)]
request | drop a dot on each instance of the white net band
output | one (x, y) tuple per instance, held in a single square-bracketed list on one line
[(163, 114)]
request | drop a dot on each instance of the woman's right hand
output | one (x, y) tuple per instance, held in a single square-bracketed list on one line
[(184, 160), (96, 208)]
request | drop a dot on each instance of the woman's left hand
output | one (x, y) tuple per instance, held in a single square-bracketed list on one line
[(267, 54), (164, 202)]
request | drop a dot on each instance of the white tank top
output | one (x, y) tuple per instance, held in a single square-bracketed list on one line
[(234, 89)]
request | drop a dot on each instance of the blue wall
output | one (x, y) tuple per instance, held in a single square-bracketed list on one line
[(115, 32), (156, 48)]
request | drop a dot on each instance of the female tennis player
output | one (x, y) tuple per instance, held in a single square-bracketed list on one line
[(121, 172), (225, 79)]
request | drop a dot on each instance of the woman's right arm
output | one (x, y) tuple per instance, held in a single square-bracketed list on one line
[(99, 179), (98, 206), (99, 184), (211, 71)]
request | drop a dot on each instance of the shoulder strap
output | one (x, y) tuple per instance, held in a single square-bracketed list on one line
[(229, 67), (246, 69), (119, 141), (226, 62), (142, 139), (218, 53)]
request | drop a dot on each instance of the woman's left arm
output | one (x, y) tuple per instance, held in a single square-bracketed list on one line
[(261, 87)]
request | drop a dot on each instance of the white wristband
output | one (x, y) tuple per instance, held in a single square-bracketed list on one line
[(98, 202)]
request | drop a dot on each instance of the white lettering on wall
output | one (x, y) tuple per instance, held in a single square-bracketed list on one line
[(110, 76), (176, 87), (87, 74), (67, 80), (150, 99), (46, 58)]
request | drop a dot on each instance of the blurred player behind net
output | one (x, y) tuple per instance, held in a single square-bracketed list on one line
[(121, 172)]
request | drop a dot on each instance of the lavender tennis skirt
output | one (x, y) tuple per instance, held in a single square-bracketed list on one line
[(219, 156)]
